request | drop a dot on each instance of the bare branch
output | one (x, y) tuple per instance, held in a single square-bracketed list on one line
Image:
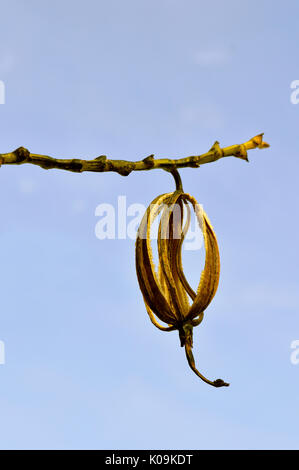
[(103, 164)]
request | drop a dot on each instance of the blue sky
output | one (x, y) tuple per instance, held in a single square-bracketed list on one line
[(84, 367)]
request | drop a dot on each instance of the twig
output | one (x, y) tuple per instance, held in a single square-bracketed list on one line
[(103, 164)]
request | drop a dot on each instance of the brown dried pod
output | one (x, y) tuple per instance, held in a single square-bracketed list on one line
[(166, 292)]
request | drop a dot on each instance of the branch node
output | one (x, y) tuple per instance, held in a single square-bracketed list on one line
[(218, 152), (101, 162), (22, 154), (122, 167), (76, 165), (258, 140), (242, 153), (101, 158), (194, 162), (149, 161)]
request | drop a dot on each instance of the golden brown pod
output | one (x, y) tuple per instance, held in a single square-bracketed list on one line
[(167, 293)]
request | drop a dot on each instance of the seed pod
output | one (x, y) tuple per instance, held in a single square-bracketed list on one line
[(166, 292)]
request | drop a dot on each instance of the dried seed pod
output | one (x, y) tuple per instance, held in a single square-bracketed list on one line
[(166, 292)]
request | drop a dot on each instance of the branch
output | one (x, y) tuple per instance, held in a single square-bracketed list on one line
[(102, 164)]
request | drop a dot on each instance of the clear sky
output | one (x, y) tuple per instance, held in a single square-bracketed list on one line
[(84, 366)]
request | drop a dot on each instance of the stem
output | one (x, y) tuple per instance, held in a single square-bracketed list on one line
[(217, 383), (103, 164), (186, 337), (177, 179)]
